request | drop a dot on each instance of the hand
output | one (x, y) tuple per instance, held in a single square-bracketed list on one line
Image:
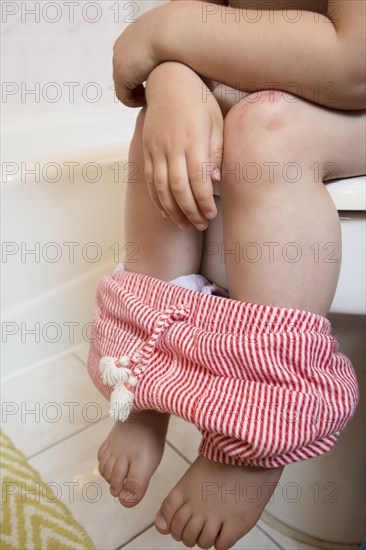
[(183, 141), (134, 57)]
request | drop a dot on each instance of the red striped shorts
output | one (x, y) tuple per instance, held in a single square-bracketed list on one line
[(266, 386)]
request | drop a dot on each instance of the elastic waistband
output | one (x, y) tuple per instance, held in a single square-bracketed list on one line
[(210, 312)]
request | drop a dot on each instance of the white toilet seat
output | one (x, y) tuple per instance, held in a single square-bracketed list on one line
[(347, 193)]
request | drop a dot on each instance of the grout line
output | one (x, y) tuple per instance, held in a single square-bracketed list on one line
[(66, 437), (79, 358), (270, 537), (152, 525), (135, 537), (34, 366), (178, 452)]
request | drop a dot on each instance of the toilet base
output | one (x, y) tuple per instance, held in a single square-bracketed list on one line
[(323, 499), (303, 537)]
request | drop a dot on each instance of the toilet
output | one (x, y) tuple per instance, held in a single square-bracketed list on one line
[(321, 502)]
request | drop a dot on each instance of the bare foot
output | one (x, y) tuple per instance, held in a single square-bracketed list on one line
[(131, 453), (216, 504)]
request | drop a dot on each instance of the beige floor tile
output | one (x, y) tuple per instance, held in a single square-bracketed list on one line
[(255, 540), (82, 352), (152, 540), (184, 436), (49, 403), (106, 521)]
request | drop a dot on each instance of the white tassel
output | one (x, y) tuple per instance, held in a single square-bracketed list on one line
[(111, 372), (120, 402), (115, 373)]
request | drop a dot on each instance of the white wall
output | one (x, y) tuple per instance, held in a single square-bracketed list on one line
[(62, 50), (43, 299)]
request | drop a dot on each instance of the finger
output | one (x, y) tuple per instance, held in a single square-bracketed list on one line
[(136, 97), (217, 150), (130, 97), (200, 181), (182, 192), (165, 194), (149, 179), (130, 94)]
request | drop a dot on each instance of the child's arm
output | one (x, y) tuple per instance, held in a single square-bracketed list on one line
[(181, 157), (211, 84), (225, 96), (318, 58)]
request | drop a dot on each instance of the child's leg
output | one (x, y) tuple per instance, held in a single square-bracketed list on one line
[(163, 250), (133, 450), (285, 221)]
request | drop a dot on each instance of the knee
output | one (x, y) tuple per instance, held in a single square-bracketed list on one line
[(267, 108), (260, 120), (262, 139)]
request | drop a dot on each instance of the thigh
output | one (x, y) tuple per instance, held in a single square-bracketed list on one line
[(338, 138), (277, 124)]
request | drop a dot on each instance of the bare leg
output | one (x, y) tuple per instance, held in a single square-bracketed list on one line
[(133, 450), (270, 213), (163, 250), (293, 147)]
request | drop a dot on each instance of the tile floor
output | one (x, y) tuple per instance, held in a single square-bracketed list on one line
[(58, 419)]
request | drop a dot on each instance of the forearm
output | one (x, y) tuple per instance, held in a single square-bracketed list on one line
[(307, 57), (167, 77), (170, 75), (211, 84)]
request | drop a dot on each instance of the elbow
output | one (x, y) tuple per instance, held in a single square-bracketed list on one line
[(354, 83), (342, 90), (357, 81), (359, 99), (348, 89), (344, 96), (349, 94), (349, 64)]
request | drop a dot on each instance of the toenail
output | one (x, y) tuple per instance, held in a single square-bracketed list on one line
[(160, 521), (114, 491), (128, 496)]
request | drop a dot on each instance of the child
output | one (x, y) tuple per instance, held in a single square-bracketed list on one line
[(294, 122)]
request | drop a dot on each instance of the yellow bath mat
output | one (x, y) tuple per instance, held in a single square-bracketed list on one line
[(32, 518)]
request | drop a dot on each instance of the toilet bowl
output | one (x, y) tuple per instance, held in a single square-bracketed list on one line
[(322, 501)]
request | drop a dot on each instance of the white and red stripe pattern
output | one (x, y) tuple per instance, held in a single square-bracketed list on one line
[(265, 385)]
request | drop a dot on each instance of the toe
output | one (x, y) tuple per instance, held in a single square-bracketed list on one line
[(180, 520), (169, 507), (106, 468), (103, 459), (192, 531), (102, 450), (229, 535), (118, 476), (135, 484), (209, 533)]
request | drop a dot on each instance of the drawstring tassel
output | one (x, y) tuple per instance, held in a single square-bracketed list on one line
[(114, 370), (115, 373), (121, 400)]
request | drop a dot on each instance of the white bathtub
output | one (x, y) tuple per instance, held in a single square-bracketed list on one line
[(69, 213)]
